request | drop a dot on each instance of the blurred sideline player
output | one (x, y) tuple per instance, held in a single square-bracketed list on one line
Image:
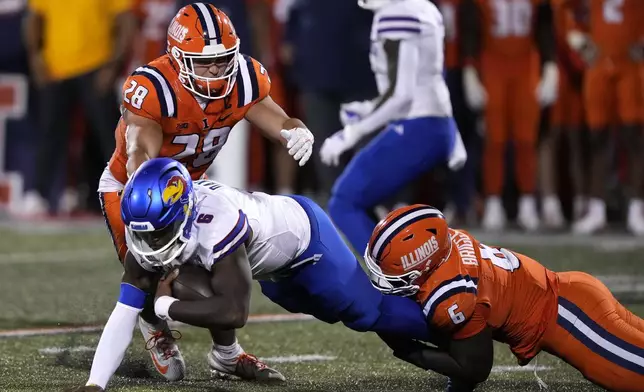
[(473, 294), (414, 107), (613, 48), (463, 181), (287, 243), (504, 42), (183, 105), (566, 120)]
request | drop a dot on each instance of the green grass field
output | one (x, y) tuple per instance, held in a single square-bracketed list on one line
[(71, 279)]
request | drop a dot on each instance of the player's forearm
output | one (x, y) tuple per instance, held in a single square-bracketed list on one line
[(116, 336), (134, 160), (32, 33), (125, 28), (218, 312), (544, 33), (439, 361), (470, 35)]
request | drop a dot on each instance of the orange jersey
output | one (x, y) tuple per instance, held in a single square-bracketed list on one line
[(481, 286), (508, 26), (449, 10), (616, 25), (194, 130)]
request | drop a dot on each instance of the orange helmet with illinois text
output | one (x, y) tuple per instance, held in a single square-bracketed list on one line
[(201, 35), (406, 247)]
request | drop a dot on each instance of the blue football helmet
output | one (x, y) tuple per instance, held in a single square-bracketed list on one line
[(157, 207)]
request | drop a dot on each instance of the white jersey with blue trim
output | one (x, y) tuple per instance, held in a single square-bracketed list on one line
[(275, 229), (417, 22)]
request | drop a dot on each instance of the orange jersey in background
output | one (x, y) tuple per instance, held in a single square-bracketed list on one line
[(449, 10)]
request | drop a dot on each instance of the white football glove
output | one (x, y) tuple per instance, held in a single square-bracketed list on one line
[(458, 156), (548, 86), (582, 44), (475, 93), (335, 145), (300, 143), (351, 113)]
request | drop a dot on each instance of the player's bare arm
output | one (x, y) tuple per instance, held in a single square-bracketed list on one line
[(32, 35), (143, 137), (227, 309), (466, 361), (277, 125)]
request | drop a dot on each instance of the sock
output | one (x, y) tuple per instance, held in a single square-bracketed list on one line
[(228, 354)]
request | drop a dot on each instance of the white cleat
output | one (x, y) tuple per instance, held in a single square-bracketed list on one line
[(494, 215), (164, 351), (528, 218), (552, 216), (635, 220), (593, 221), (34, 205), (245, 367)]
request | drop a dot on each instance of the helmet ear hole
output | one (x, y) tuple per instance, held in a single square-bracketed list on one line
[(433, 231), (409, 237)]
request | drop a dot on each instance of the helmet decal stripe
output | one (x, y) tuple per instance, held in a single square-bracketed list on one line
[(398, 224), (207, 24), (213, 17)]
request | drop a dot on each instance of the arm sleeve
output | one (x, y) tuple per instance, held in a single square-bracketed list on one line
[(400, 94), (545, 32), (470, 34), (116, 336)]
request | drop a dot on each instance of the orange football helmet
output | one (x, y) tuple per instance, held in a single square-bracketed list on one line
[(406, 247), (202, 36)]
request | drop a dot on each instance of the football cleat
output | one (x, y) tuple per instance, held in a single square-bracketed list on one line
[(245, 367), (165, 354)]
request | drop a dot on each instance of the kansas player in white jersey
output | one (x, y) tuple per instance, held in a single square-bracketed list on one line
[(287, 243), (413, 108)]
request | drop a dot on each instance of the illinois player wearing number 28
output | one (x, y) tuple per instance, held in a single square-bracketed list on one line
[(184, 104), (473, 294)]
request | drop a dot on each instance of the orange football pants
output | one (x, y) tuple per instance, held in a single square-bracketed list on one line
[(111, 206), (511, 113), (595, 334), (567, 112), (613, 89)]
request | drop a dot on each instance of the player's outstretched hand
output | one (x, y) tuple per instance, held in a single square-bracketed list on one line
[(299, 143), (86, 388)]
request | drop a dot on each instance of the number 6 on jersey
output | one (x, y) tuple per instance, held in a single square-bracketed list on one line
[(457, 317)]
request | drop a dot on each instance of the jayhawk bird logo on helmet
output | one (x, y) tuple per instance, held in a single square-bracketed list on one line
[(174, 190)]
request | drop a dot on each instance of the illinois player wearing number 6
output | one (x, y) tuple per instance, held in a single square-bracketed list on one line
[(183, 105), (473, 294)]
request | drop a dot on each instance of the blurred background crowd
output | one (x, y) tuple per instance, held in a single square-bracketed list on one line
[(62, 64)]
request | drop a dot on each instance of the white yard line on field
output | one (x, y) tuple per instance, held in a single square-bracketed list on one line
[(252, 319), (515, 368)]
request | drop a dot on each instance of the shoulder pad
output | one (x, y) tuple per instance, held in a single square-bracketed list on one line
[(451, 303), (253, 82), (148, 93)]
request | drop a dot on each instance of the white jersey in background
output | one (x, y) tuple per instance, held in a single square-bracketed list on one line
[(275, 228), (418, 25)]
